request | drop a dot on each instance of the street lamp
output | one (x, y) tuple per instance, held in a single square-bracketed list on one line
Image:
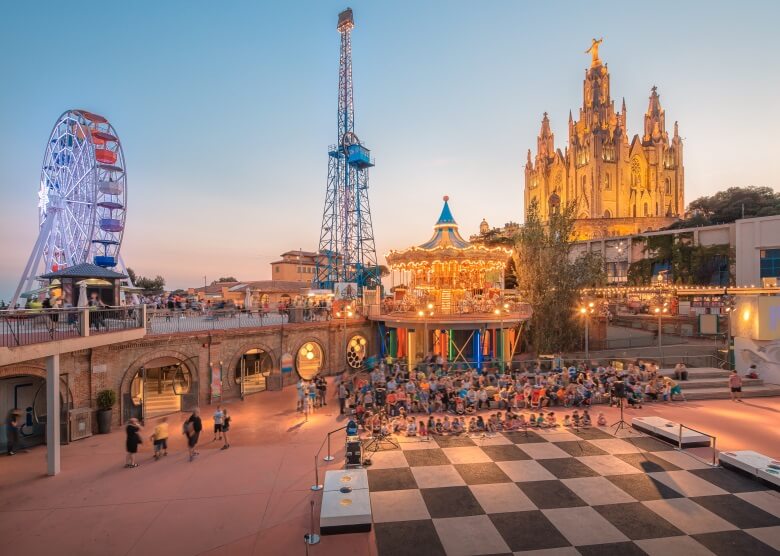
[(424, 315), (586, 310), (729, 305), (344, 315), (660, 311)]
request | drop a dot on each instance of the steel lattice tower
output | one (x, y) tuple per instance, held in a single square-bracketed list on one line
[(347, 251)]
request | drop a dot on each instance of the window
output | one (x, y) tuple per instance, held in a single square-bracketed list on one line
[(309, 360), (646, 210), (668, 186), (770, 263), (607, 183), (356, 352), (607, 214), (277, 268)]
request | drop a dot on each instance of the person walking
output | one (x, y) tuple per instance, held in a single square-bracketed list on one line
[(301, 388), (735, 385), (192, 428), (160, 439), (322, 390), (12, 431), (219, 417), (133, 441), (226, 428), (342, 397)]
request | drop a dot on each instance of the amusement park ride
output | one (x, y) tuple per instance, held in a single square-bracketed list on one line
[(82, 200), (347, 250)]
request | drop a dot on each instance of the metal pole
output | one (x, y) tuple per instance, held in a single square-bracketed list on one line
[(312, 537), (714, 452), (328, 457), (587, 346), (316, 486), (679, 438)]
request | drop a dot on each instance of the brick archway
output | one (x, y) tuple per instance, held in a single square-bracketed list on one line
[(322, 344), (241, 351), (38, 371), (135, 366)]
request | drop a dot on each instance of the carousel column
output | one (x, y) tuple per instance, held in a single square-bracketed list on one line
[(53, 414)]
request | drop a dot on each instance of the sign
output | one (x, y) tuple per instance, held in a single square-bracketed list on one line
[(345, 290), (216, 381), (286, 363)]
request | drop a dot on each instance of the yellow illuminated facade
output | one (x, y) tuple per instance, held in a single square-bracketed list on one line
[(620, 187)]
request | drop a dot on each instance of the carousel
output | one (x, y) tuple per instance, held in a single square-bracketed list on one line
[(448, 299)]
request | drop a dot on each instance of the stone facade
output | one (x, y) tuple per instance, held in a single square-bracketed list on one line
[(629, 186), (89, 371)]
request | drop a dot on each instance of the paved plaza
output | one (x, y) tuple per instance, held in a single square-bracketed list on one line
[(567, 492)]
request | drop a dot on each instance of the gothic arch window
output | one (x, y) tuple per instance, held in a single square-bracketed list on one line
[(607, 183), (636, 173), (668, 186), (607, 214), (633, 210), (646, 211)]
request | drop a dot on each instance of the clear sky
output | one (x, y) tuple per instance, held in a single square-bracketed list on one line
[(226, 109)]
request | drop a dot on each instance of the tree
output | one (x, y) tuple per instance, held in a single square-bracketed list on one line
[(147, 284), (732, 204), (550, 280), (227, 279)]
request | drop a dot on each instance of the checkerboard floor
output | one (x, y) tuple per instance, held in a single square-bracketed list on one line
[(563, 493)]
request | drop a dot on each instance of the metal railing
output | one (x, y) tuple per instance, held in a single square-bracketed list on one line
[(173, 321), (21, 327), (713, 445)]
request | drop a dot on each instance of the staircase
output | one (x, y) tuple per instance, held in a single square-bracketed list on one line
[(162, 403), (709, 383)]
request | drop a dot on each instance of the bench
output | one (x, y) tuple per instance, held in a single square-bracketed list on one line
[(346, 505), (669, 431), (753, 463)]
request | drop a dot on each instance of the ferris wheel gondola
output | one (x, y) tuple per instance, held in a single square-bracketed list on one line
[(82, 198)]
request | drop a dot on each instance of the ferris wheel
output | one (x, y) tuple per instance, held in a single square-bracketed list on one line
[(82, 198)]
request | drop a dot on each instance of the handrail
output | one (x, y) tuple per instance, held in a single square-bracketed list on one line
[(712, 445), (317, 486)]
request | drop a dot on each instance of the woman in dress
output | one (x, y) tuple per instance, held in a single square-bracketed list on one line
[(132, 442)]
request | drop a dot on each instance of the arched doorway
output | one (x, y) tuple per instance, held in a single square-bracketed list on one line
[(26, 395), (309, 360), (158, 388), (252, 371), (357, 349)]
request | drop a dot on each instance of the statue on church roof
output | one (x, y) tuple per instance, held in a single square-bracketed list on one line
[(594, 52)]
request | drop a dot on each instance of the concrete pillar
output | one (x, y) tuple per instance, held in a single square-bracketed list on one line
[(53, 414)]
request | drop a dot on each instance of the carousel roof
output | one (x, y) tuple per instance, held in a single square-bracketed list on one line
[(447, 243)]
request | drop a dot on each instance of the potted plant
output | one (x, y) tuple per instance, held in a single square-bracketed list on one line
[(105, 402)]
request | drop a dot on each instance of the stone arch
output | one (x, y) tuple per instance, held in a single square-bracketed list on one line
[(323, 345), (243, 348), (38, 371), (135, 366)]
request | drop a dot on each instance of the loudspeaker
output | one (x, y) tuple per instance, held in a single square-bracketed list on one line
[(619, 388)]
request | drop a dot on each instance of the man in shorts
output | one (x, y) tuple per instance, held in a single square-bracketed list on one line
[(219, 419), (192, 428), (735, 384)]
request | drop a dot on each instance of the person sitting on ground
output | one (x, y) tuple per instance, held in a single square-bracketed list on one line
[(521, 422), (552, 421), (601, 420), (457, 426), (480, 424), (575, 418), (566, 421), (472, 425), (431, 424), (540, 421), (446, 425), (532, 420), (585, 418), (411, 428), (422, 429)]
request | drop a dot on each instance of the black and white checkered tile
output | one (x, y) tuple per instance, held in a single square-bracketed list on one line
[(564, 492)]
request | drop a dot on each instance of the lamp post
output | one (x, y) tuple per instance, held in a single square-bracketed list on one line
[(729, 305), (344, 315), (424, 315), (586, 310), (660, 311)]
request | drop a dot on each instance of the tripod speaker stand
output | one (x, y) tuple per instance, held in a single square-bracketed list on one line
[(619, 392)]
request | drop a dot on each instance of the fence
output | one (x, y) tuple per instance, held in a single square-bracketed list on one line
[(173, 321), (21, 327)]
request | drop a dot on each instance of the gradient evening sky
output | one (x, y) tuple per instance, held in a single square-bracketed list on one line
[(225, 110)]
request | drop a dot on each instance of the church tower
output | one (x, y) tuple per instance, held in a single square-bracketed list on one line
[(619, 187)]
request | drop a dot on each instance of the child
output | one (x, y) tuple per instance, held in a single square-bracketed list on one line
[(585, 419), (540, 420), (532, 420), (552, 422), (601, 420), (431, 424), (480, 424), (457, 427), (472, 425), (447, 425), (160, 439), (575, 418), (439, 426), (421, 428), (521, 423), (566, 421), (411, 428)]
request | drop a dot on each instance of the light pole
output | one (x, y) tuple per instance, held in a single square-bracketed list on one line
[(586, 310), (660, 311), (729, 305), (424, 315), (344, 315)]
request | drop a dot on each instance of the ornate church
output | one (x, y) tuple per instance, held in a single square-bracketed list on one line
[(620, 187)]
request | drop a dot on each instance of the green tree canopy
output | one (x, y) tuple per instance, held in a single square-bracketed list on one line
[(550, 280), (147, 284), (730, 205)]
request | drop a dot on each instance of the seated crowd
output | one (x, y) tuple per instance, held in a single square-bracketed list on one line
[(388, 394)]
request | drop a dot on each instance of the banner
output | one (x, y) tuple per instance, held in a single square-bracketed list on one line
[(216, 381), (286, 363)]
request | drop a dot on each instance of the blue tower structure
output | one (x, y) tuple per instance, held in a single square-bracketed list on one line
[(347, 250)]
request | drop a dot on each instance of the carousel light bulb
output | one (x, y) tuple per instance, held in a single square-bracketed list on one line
[(309, 356), (349, 313)]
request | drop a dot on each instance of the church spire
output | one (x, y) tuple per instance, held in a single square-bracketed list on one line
[(546, 140), (655, 125)]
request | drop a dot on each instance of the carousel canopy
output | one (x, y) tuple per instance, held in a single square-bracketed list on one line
[(446, 244)]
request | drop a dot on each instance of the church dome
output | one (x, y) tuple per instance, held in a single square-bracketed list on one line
[(484, 227)]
